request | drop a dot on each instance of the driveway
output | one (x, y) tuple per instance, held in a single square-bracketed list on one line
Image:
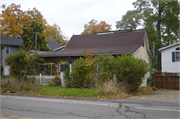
[(160, 95)]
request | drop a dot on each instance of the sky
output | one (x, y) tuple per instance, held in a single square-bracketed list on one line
[(71, 15)]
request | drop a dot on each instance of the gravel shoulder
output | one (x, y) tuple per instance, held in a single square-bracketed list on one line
[(160, 95)]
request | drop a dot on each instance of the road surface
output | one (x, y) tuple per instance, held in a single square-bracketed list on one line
[(19, 107)]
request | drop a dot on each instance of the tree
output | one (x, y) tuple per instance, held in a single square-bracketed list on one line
[(12, 20), (28, 36), (35, 15), (93, 27), (54, 33), (159, 17), (130, 20), (164, 22), (88, 27)]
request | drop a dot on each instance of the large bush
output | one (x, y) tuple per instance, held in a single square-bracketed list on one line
[(80, 72), (130, 70), (22, 63), (105, 67)]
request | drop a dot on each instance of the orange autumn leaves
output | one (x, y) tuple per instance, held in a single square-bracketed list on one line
[(93, 27), (12, 20)]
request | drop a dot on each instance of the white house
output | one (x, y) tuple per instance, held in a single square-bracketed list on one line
[(170, 58)]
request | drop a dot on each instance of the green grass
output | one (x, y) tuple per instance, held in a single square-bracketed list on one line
[(60, 91), (6, 77)]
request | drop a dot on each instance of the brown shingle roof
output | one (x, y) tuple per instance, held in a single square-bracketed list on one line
[(117, 43)]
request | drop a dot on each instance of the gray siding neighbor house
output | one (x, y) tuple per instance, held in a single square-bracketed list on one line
[(12, 45)]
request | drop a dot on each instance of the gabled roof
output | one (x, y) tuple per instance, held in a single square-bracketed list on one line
[(163, 48), (103, 43), (11, 41), (19, 42), (53, 44)]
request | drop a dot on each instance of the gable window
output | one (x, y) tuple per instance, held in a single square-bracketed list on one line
[(176, 55), (7, 50)]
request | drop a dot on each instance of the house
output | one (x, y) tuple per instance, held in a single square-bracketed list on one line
[(170, 58), (118, 42), (12, 45)]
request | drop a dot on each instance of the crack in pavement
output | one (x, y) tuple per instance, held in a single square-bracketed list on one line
[(128, 110)]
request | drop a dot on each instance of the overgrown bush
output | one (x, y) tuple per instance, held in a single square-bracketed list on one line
[(80, 72), (107, 88), (57, 80), (23, 63), (130, 70), (105, 68), (67, 78), (16, 86)]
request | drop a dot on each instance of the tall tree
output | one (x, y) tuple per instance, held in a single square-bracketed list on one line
[(160, 18), (131, 20), (88, 26), (28, 36), (35, 15), (12, 20), (164, 20), (93, 27), (54, 32)]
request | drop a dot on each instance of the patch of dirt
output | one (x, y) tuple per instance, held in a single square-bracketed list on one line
[(160, 95)]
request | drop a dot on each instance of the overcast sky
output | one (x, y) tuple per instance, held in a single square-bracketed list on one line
[(71, 15)]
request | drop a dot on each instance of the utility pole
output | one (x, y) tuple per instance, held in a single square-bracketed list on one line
[(34, 10), (36, 42)]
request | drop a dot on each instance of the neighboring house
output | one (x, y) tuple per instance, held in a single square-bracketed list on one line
[(12, 45), (170, 58), (118, 42), (53, 45)]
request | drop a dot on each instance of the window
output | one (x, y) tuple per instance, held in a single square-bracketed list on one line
[(7, 49), (176, 55)]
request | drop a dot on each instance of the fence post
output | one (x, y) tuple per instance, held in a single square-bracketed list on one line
[(40, 78), (166, 81), (62, 80)]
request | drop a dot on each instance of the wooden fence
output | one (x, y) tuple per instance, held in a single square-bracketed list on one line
[(167, 80)]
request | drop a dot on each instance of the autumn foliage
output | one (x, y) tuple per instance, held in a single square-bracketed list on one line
[(93, 27), (13, 19)]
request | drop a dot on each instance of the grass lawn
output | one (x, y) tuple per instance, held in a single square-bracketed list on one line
[(60, 91), (6, 77)]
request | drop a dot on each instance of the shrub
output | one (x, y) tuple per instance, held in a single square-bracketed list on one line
[(57, 80), (107, 88), (130, 70), (22, 63), (80, 71), (16, 86), (105, 68), (67, 78)]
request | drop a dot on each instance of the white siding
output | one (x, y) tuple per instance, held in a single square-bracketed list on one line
[(166, 60)]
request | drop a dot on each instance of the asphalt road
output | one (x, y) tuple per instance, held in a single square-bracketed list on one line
[(18, 107)]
